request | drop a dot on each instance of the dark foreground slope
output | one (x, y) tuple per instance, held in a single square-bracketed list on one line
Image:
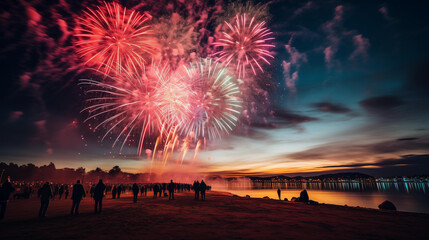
[(221, 216)]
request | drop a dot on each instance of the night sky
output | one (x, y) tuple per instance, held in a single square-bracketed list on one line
[(349, 91)]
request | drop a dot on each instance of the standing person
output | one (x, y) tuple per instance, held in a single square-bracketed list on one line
[(45, 192), (135, 190), (98, 195), (171, 190), (66, 194), (5, 191), (78, 193), (91, 191), (279, 193), (196, 187), (114, 191), (142, 190), (203, 188), (155, 190), (118, 194), (61, 191), (145, 191), (56, 189)]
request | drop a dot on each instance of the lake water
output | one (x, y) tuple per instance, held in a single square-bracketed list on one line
[(407, 196)]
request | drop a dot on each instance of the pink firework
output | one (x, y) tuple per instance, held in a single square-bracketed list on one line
[(126, 105), (112, 37), (217, 105), (177, 100), (245, 44)]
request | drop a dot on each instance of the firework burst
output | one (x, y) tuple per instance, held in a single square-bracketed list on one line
[(177, 99), (217, 105), (112, 37), (127, 105), (245, 44)]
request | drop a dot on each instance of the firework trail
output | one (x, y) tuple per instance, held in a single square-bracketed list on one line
[(217, 105), (245, 44), (112, 37), (197, 148)]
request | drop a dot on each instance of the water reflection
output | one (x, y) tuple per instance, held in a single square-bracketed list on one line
[(346, 186), (411, 196)]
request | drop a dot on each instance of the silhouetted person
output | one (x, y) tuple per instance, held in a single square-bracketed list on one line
[(118, 194), (145, 191), (114, 191), (141, 190), (5, 190), (61, 191), (78, 193), (98, 196), (303, 196), (164, 188), (45, 193), (171, 190), (91, 191), (196, 187), (203, 188), (155, 190), (66, 194), (279, 193), (135, 190)]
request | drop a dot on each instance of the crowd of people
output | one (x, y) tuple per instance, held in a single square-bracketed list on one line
[(48, 191)]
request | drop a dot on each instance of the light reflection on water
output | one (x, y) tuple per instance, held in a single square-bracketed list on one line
[(407, 196)]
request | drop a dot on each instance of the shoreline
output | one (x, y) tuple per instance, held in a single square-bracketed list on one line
[(318, 203), (403, 202), (221, 216)]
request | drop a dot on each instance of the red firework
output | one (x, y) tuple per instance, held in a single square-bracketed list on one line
[(245, 44), (112, 37)]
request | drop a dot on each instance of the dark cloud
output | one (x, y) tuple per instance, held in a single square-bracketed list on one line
[(342, 151), (398, 146), (407, 139), (290, 118), (406, 165), (331, 107), (404, 160), (278, 118), (381, 104)]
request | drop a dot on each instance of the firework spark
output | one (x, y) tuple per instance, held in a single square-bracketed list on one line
[(246, 43), (112, 37), (217, 105)]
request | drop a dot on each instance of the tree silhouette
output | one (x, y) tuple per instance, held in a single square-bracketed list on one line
[(115, 170)]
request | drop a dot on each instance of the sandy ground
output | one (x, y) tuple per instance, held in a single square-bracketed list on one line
[(221, 216)]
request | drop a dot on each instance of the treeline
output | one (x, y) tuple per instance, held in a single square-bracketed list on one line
[(30, 172)]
